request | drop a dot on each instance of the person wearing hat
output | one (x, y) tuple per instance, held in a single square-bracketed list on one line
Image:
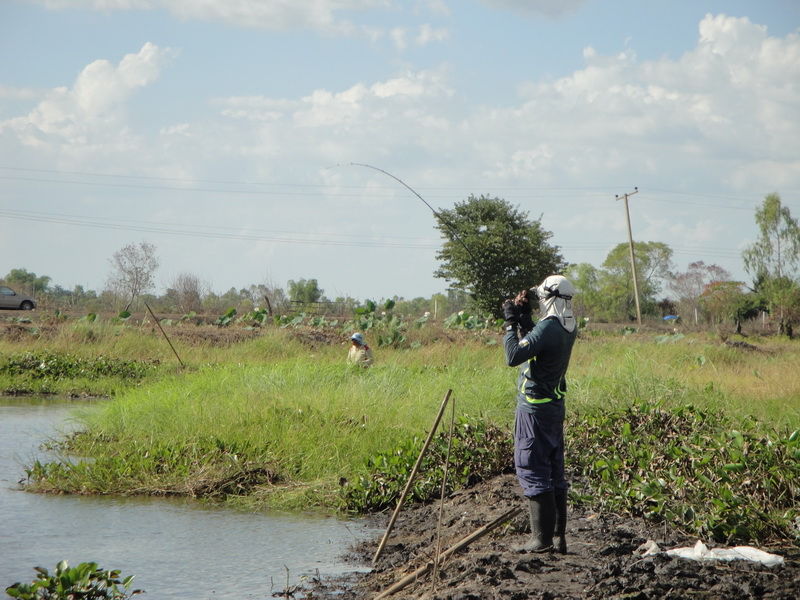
[(542, 352), (360, 354)]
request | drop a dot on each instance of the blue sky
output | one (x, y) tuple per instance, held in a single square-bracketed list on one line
[(213, 130)]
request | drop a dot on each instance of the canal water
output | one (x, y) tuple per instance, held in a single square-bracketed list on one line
[(177, 549)]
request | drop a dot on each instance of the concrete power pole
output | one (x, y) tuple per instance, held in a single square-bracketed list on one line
[(633, 261)]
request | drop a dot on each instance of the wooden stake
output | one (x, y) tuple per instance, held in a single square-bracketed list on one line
[(463, 543), (165, 335), (411, 478), (441, 499)]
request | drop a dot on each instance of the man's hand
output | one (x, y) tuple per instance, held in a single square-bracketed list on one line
[(523, 303), (511, 313)]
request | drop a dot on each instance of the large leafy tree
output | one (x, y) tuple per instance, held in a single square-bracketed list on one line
[(591, 297), (132, 270), (492, 250), (606, 293), (653, 264), (773, 259)]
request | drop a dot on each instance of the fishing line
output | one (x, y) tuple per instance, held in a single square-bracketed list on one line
[(438, 216)]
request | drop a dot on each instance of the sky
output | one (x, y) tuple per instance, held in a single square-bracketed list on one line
[(232, 134)]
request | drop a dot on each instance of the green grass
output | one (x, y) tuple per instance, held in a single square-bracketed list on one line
[(278, 419), (309, 421)]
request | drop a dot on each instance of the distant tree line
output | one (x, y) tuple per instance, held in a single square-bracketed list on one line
[(490, 251)]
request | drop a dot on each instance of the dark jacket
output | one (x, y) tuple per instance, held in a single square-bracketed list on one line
[(543, 355)]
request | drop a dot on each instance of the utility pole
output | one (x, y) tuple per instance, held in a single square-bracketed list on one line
[(633, 260)]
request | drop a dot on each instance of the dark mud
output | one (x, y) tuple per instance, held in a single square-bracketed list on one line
[(603, 559)]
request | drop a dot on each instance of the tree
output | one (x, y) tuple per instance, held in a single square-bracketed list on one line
[(729, 300), (688, 287), (189, 291), (268, 295), (777, 251), (590, 297), (492, 251), (653, 264), (415, 307), (132, 271), (773, 259), (305, 291), (27, 282)]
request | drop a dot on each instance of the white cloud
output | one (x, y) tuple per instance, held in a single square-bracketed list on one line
[(722, 99), (547, 8), (719, 103), (270, 15), (324, 16), (399, 36), (725, 111), (12, 93), (434, 7), (92, 113), (428, 33)]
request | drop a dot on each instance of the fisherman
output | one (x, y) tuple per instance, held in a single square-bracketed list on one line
[(360, 354), (542, 353)]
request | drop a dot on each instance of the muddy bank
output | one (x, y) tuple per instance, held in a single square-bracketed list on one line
[(602, 559)]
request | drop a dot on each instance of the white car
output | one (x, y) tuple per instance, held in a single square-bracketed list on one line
[(11, 299)]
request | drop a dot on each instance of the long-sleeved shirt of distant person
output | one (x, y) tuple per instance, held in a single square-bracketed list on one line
[(360, 356)]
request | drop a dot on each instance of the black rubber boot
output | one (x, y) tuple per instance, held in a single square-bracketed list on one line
[(560, 533), (542, 510)]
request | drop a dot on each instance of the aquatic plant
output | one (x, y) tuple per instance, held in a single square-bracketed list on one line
[(697, 470), (479, 450), (85, 582), (43, 364)]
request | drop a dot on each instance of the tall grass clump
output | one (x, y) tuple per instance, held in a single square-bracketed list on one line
[(286, 428)]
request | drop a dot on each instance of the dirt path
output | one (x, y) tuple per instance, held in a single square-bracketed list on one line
[(602, 560)]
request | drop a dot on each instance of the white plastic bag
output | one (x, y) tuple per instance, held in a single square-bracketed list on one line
[(702, 552)]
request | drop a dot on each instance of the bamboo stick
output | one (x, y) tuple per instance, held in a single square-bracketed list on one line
[(175, 352), (411, 479), (463, 543), (441, 499)]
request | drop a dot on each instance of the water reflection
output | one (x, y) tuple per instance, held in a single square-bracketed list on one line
[(176, 548)]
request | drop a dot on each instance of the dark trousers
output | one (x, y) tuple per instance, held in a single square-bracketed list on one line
[(539, 453)]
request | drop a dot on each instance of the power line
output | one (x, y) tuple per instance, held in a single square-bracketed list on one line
[(171, 229), (209, 231), (22, 214), (274, 188)]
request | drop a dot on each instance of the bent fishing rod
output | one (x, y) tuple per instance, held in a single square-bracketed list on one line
[(438, 216)]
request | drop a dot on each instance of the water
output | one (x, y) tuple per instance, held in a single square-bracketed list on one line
[(176, 548)]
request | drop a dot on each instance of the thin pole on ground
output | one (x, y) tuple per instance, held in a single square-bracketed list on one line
[(165, 334), (463, 543), (441, 502), (411, 478)]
